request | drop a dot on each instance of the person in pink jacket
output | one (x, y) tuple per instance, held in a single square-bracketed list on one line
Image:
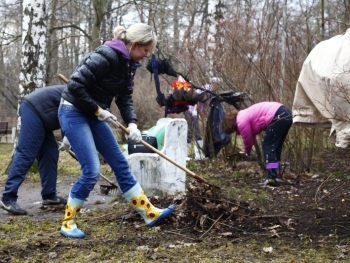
[(273, 118)]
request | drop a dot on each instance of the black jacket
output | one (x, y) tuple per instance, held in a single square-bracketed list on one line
[(103, 75), (45, 102)]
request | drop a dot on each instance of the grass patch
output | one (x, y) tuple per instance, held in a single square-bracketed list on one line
[(6, 150)]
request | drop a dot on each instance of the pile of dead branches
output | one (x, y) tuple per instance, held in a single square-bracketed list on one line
[(205, 207)]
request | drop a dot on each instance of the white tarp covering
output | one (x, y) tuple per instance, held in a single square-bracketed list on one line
[(322, 97)]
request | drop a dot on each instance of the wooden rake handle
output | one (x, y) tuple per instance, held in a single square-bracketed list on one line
[(196, 176), (126, 131)]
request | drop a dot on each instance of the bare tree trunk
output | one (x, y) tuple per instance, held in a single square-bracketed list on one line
[(52, 48), (99, 8), (151, 13), (283, 50), (8, 96), (160, 19), (33, 62), (176, 27), (205, 27), (346, 23), (139, 9), (322, 20), (2, 69), (107, 27), (73, 47)]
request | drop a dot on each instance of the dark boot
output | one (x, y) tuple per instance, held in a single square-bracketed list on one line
[(271, 178)]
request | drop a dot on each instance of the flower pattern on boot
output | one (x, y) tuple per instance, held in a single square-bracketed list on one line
[(70, 217), (143, 203)]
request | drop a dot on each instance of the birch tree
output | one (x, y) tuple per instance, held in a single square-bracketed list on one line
[(33, 62), (33, 59)]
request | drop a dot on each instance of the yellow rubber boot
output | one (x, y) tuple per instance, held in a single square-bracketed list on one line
[(143, 206), (69, 227)]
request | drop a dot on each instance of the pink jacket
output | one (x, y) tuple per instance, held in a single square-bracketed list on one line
[(253, 120)]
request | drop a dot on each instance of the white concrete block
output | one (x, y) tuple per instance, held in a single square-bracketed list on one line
[(156, 175)]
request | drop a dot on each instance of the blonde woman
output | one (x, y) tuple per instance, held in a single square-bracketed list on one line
[(104, 75)]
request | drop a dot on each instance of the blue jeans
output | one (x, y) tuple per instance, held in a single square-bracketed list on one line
[(88, 136), (34, 142)]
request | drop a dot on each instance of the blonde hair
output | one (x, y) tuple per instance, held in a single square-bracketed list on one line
[(139, 33)]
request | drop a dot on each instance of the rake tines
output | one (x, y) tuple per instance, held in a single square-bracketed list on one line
[(106, 189)]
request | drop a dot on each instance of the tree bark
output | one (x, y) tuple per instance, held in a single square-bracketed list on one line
[(33, 62), (99, 7), (52, 48)]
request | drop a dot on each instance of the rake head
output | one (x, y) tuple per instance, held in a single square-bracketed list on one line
[(106, 189)]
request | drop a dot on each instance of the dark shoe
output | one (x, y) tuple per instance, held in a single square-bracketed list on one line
[(12, 207), (55, 201)]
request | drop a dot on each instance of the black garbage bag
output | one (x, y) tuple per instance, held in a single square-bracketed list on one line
[(215, 139), (164, 67)]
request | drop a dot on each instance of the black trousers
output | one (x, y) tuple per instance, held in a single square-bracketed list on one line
[(276, 134)]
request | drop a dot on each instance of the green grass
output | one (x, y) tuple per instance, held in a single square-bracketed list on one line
[(6, 150)]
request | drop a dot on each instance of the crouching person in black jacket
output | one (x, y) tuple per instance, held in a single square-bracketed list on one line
[(38, 113)]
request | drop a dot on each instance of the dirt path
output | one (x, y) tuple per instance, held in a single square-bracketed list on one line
[(29, 198)]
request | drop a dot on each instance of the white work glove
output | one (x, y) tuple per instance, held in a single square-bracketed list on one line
[(65, 145), (194, 113), (134, 133), (105, 115)]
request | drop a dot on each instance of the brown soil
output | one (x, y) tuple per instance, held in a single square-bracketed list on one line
[(29, 198), (312, 205), (307, 206), (315, 205)]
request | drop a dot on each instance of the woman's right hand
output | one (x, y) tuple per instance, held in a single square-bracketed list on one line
[(105, 115)]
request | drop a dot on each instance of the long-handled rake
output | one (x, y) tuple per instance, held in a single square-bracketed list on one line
[(195, 176), (125, 130)]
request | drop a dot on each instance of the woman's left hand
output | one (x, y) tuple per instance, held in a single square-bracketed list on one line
[(65, 145)]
